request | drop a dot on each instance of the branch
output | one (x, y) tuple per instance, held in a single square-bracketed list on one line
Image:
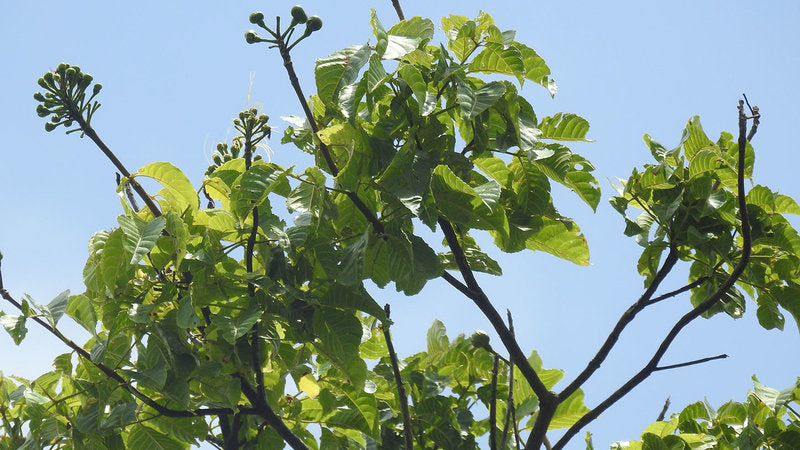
[(510, 410), (326, 154), (690, 363), (398, 9), (624, 320), (89, 131), (110, 373), (547, 400), (671, 294), (401, 391), (696, 312), (269, 415), (493, 405)]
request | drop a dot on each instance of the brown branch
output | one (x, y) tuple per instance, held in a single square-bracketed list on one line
[(326, 154), (398, 9), (696, 312), (547, 400), (398, 381), (89, 131), (270, 417), (493, 405), (671, 294), (111, 373), (690, 363), (624, 320)]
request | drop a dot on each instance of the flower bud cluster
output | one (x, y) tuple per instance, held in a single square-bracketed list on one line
[(64, 100), (313, 23), (253, 128)]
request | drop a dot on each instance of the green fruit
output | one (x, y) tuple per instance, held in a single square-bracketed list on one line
[(298, 15), (314, 23), (251, 37), (257, 17), (50, 126)]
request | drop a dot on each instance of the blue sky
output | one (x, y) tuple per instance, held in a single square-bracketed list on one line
[(176, 73)]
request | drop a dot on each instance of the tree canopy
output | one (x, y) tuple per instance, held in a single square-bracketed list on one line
[(237, 312)]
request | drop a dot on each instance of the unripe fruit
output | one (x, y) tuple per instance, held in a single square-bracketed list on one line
[(96, 88), (298, 15), (257, 17), (314, 23), (38, 96), (41, 111), (50, 126), (251, 37)]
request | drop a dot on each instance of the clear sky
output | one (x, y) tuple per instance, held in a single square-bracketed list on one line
[(176, 73)]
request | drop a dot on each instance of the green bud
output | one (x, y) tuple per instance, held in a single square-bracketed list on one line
[(87, 78), (217, 159), (263, 118), (62, 67), (38, 96), (96, 89), (257, 158), (298, 15), (235, 152), (50, 126), (257, 17), (70, 75), (41, 111), (48, 79), (227, 158), (480, 339), (251, 37), (314, 23), (222, 148), (68, 123)]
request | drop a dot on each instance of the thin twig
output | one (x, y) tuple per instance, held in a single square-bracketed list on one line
[(398, 381), (270, 417), (696, 312), (510, 412), (624, 320), (663, 412), (690, 363), (493, 405), (671, 294)]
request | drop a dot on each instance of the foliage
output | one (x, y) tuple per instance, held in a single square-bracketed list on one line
[(233, 325), (766, 420)]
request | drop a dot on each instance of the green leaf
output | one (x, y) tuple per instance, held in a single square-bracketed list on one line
[(142, 436), (113, 260), (178, 190), (56, 308), (339, 336), (569, 411), (773, 398), (497, 59), (535, 68), (338, 70), (310, 195), (562, 239), (564, 127), (352, 264), (573, 171), (413, 77), (349, 145), (380, 35), (415, 27), (14, 325), (473, 102), (400, 46), (375, 74), (438, 343), (252, 188), (81, 310), (140, 236), (237, 326)]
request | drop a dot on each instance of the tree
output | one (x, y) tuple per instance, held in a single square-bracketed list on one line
[(206, 312)]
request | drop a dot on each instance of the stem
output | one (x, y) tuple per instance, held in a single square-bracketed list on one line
[(401, 391), (89, 131), (624, 320), (696, 312), (690, 363), (326, 154), (398, 9), (110, 373), (493, 405)]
